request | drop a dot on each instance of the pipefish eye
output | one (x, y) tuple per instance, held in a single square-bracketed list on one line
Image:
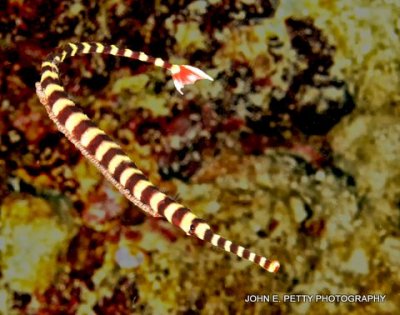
[(192, 229)]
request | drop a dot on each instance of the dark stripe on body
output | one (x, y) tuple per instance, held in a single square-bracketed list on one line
[(147, 194), (68, 50), (50, 58), (246, 254), (55, 96), (178, 215), (121, 168), (221, 242), (50, 80), (132, 181), (208, 235), (167, 65), (67, 111), (163, 204), (150, 59), (80, 47), (106, 50), (196, 222), (121, 52), (81, 128), (49, 68), (93, 48), (96, 141), (267, 264), (107, 157), (135, 55), (234, 248)]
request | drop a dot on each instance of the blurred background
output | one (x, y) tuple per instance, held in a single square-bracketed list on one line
[(293, 151)]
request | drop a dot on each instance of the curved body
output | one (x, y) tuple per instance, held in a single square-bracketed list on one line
[(111, 160)]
